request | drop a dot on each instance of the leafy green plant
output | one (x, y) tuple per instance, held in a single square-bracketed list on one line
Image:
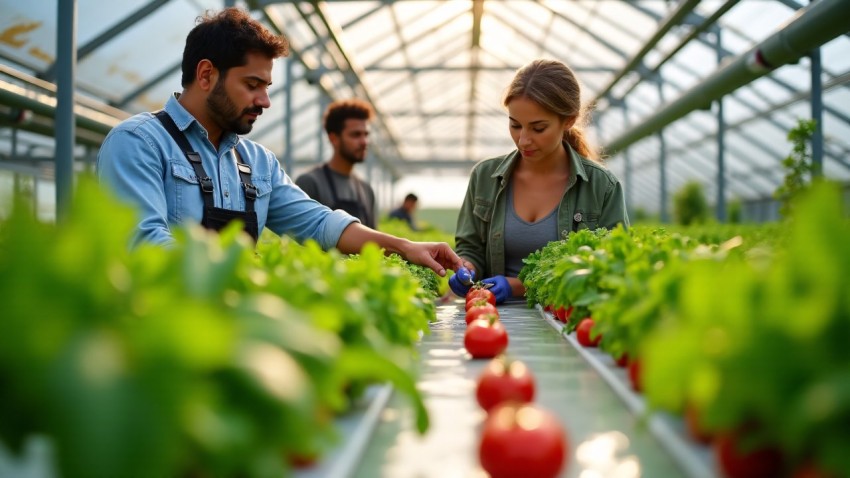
[(689, 204), (205, 358), (758, 346), (544, 271), (426, 233), (734, 211), (797, 165)]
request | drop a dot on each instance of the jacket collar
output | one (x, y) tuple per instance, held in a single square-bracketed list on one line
[(506, 165)]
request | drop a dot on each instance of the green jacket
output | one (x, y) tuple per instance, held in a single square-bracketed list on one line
[(597, 201)]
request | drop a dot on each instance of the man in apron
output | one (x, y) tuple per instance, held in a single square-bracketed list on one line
[(188, 164), (334, 183)]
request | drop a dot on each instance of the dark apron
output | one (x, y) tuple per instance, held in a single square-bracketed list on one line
[(353, 207), (216, 218)]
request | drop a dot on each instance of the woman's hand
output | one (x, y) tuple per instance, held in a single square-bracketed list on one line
[(461, 281), (501, 287)]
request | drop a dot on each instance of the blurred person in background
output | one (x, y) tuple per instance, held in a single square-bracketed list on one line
[(552, 184), (406, 210), (334, 183), (188, 164)]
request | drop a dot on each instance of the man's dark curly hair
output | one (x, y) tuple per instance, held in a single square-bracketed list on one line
[(225, 39), (341, 110)]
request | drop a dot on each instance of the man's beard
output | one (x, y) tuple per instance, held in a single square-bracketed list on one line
[(352, 156), (224, 112)]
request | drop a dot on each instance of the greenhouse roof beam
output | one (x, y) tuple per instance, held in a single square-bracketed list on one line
[(694, 34), (741, 183), (736, 127), (508, 22), (758, 113), (419, 165), (274, 20), (368, 13), (123, 102), (271, 126), (425, 34), (320, 40), (380, 91), (447, 112), (474, 64), (355, 73), (674, 19), (818, 24), (415, 84), (726, 53), (427, 68), (599, 38), (85, 50)]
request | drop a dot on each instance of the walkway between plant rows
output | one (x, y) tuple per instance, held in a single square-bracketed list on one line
[(602, 433)]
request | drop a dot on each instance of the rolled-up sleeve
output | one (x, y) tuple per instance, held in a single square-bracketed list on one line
[(293, 212)]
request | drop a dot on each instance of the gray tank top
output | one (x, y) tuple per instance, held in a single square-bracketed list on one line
[(522, 237)]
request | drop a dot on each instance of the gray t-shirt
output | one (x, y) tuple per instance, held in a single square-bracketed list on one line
[(353, 195), (522, 237)]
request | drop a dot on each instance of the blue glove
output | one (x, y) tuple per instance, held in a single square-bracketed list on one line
[(461, 281), (501, 287)]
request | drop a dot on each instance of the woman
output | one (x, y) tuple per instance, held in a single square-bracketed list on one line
[(552, 184)]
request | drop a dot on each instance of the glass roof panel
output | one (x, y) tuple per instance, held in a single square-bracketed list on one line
[(415, 61)]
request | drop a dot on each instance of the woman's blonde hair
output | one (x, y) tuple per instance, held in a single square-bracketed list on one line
[(554, 86)]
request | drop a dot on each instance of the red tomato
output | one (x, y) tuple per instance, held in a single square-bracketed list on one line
[(302, 461), (762, 462), (477, 311), (563, 313), (485, 338), (521, 441), (809, 470), (583, 333), (694, 426), (623, 360), (478, 293), (634, 374), (504, 380)]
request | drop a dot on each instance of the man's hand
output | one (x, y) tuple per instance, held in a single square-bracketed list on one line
[(436, 255), (461, 281), (501, 287)]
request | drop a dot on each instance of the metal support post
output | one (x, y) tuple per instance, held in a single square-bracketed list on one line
[(323, 103), (721, 143), (66, 60), (287, 118), (817, 114), (662, 157), (627, 157)]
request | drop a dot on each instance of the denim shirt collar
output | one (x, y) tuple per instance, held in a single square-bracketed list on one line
[(183, 119)]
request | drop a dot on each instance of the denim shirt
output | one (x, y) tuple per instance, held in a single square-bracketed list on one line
[(594, 198), (141, 164)]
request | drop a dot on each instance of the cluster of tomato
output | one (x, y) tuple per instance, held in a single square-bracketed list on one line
[(518, 438), (734, 464), (586, 339)]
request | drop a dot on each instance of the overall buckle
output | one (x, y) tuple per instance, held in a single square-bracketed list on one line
[(250, 191), (206, 184)]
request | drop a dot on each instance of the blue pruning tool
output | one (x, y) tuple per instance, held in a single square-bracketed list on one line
[(464, 275)]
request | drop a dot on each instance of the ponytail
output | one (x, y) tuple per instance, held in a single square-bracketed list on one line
[(576, 139)]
